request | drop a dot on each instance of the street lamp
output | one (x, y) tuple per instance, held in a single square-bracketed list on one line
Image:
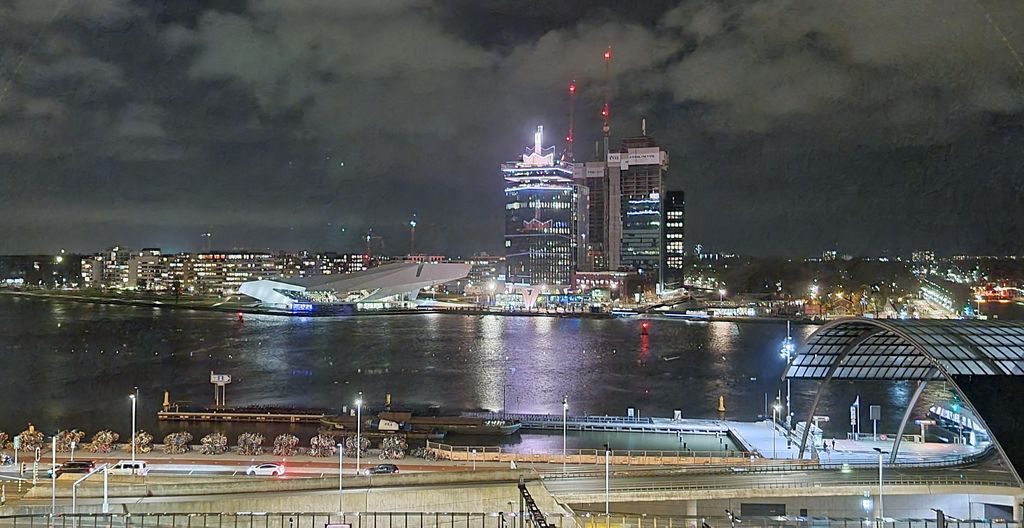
[(787, 352), (341, 459), (565, 412), (881, 511), (134, 400), (359, 428), (53, 479), (607, 456), (775, 409)]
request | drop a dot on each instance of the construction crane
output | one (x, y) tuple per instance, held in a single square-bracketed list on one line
[(606, 112), (570, 138)]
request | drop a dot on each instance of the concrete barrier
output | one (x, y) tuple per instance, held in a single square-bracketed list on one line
[(188, 486)]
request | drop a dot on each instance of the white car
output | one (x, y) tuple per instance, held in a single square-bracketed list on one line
[(265, 470)]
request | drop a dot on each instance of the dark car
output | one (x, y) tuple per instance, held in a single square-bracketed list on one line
[(382, 469), (76, 466)]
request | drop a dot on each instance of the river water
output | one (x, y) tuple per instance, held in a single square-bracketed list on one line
[(73, 365)]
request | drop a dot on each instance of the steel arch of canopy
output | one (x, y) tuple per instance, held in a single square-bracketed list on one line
[(916, 350)]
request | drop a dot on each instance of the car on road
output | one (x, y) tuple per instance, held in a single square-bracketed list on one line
[(74, 466), (130, 467), (265, 470), (381, 469)]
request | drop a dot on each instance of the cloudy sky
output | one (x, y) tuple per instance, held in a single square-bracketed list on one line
[(793, 125)]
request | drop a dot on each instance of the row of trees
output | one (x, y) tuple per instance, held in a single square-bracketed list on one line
[(247, 444)]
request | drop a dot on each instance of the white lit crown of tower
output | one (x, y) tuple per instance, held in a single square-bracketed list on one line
[(537, 158)]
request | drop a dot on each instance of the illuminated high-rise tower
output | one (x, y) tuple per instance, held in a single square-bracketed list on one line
[(545, 221)]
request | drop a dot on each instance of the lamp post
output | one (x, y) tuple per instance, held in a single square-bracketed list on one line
[(607, 456), (881, 510), (341, 459), (134, 405), (53, 479), (775, 410), (721, 296), (565, 412), (359, 429), (787, 352)]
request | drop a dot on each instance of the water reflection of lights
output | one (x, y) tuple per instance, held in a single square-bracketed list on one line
[(723, 335), (490, 379)]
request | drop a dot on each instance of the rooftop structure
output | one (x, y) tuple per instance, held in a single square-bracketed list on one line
[(983, 360), (387, 284)]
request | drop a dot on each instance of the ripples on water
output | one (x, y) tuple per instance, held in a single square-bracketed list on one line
[(73, 365)]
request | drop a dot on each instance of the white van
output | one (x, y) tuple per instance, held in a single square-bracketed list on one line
[(128, 467)]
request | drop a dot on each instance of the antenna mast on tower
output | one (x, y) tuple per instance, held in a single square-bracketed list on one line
[(571, 136), (606, 112)]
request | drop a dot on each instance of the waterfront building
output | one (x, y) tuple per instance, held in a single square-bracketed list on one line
[(294, 264), (546, 222), (179, 274), (486, 274), (625, 214), (115, 267), (639, 169), (224, 272), (673, 240), (425, 258), (331, 263), (594, 176), (389, 286), (92, 271), (604, 286), (147, 271)]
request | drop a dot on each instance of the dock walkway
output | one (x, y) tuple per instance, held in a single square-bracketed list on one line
[(624, 424)]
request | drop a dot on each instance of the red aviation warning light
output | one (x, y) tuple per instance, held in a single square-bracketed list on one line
[(608, 54), (604, 111), (572, 88)]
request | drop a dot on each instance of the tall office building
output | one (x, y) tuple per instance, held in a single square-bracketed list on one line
[(594, 176), (673, 241), (636, 179), (546, 223)]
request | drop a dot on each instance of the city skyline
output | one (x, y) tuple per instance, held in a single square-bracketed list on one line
[(261, 123)]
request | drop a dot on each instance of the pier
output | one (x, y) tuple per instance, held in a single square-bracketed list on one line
[(618, 424), (228, 415)]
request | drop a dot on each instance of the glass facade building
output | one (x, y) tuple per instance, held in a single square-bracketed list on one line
[(674, 242), (545, 220), (638, 171)]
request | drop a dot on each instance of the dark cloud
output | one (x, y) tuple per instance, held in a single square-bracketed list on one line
[(872, 125)]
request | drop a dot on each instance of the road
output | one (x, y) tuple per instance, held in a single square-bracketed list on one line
[(984, 473)]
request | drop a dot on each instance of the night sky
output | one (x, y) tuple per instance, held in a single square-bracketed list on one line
[(794, 126)]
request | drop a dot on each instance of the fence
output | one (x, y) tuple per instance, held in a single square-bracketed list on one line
[(461, 520)]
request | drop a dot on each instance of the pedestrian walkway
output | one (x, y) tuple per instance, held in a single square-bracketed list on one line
[(767, 441)]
